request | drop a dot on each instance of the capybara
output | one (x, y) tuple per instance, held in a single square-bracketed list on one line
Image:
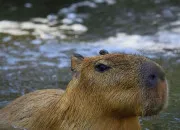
[(107, 92)]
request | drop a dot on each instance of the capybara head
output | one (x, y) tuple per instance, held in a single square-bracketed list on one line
[(130, 85)]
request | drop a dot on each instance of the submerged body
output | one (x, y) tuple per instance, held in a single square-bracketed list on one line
[(107, 92)]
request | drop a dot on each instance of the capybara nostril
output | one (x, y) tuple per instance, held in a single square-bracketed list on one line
[(151, 80), (151, 73), (152, 77)]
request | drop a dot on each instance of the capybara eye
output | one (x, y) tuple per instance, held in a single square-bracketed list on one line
[(102, 67)]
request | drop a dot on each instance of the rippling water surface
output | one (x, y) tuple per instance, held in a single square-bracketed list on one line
[(35, 51)]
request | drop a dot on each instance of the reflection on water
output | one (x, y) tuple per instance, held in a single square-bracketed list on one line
[(35, 52), (43, 30), (97, 19), (22, 54)]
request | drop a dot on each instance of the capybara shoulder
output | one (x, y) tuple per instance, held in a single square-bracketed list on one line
[(109, 91)]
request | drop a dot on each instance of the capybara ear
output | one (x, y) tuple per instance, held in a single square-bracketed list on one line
[(103, 52), (76, 61)]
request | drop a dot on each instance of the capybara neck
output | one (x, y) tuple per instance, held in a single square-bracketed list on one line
[(79, 111), (93, 112)]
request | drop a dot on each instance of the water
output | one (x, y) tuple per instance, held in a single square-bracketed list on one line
[(35, 49)]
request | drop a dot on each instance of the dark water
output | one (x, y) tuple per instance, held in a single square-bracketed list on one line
[(38, 38)]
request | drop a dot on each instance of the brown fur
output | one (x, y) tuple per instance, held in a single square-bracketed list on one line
[(98, 101)]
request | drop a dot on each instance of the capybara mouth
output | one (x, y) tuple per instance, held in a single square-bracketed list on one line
[(155, 99), (153, 109)]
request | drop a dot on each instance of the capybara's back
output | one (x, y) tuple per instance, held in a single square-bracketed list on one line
[(21, 112), (109, 91)]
